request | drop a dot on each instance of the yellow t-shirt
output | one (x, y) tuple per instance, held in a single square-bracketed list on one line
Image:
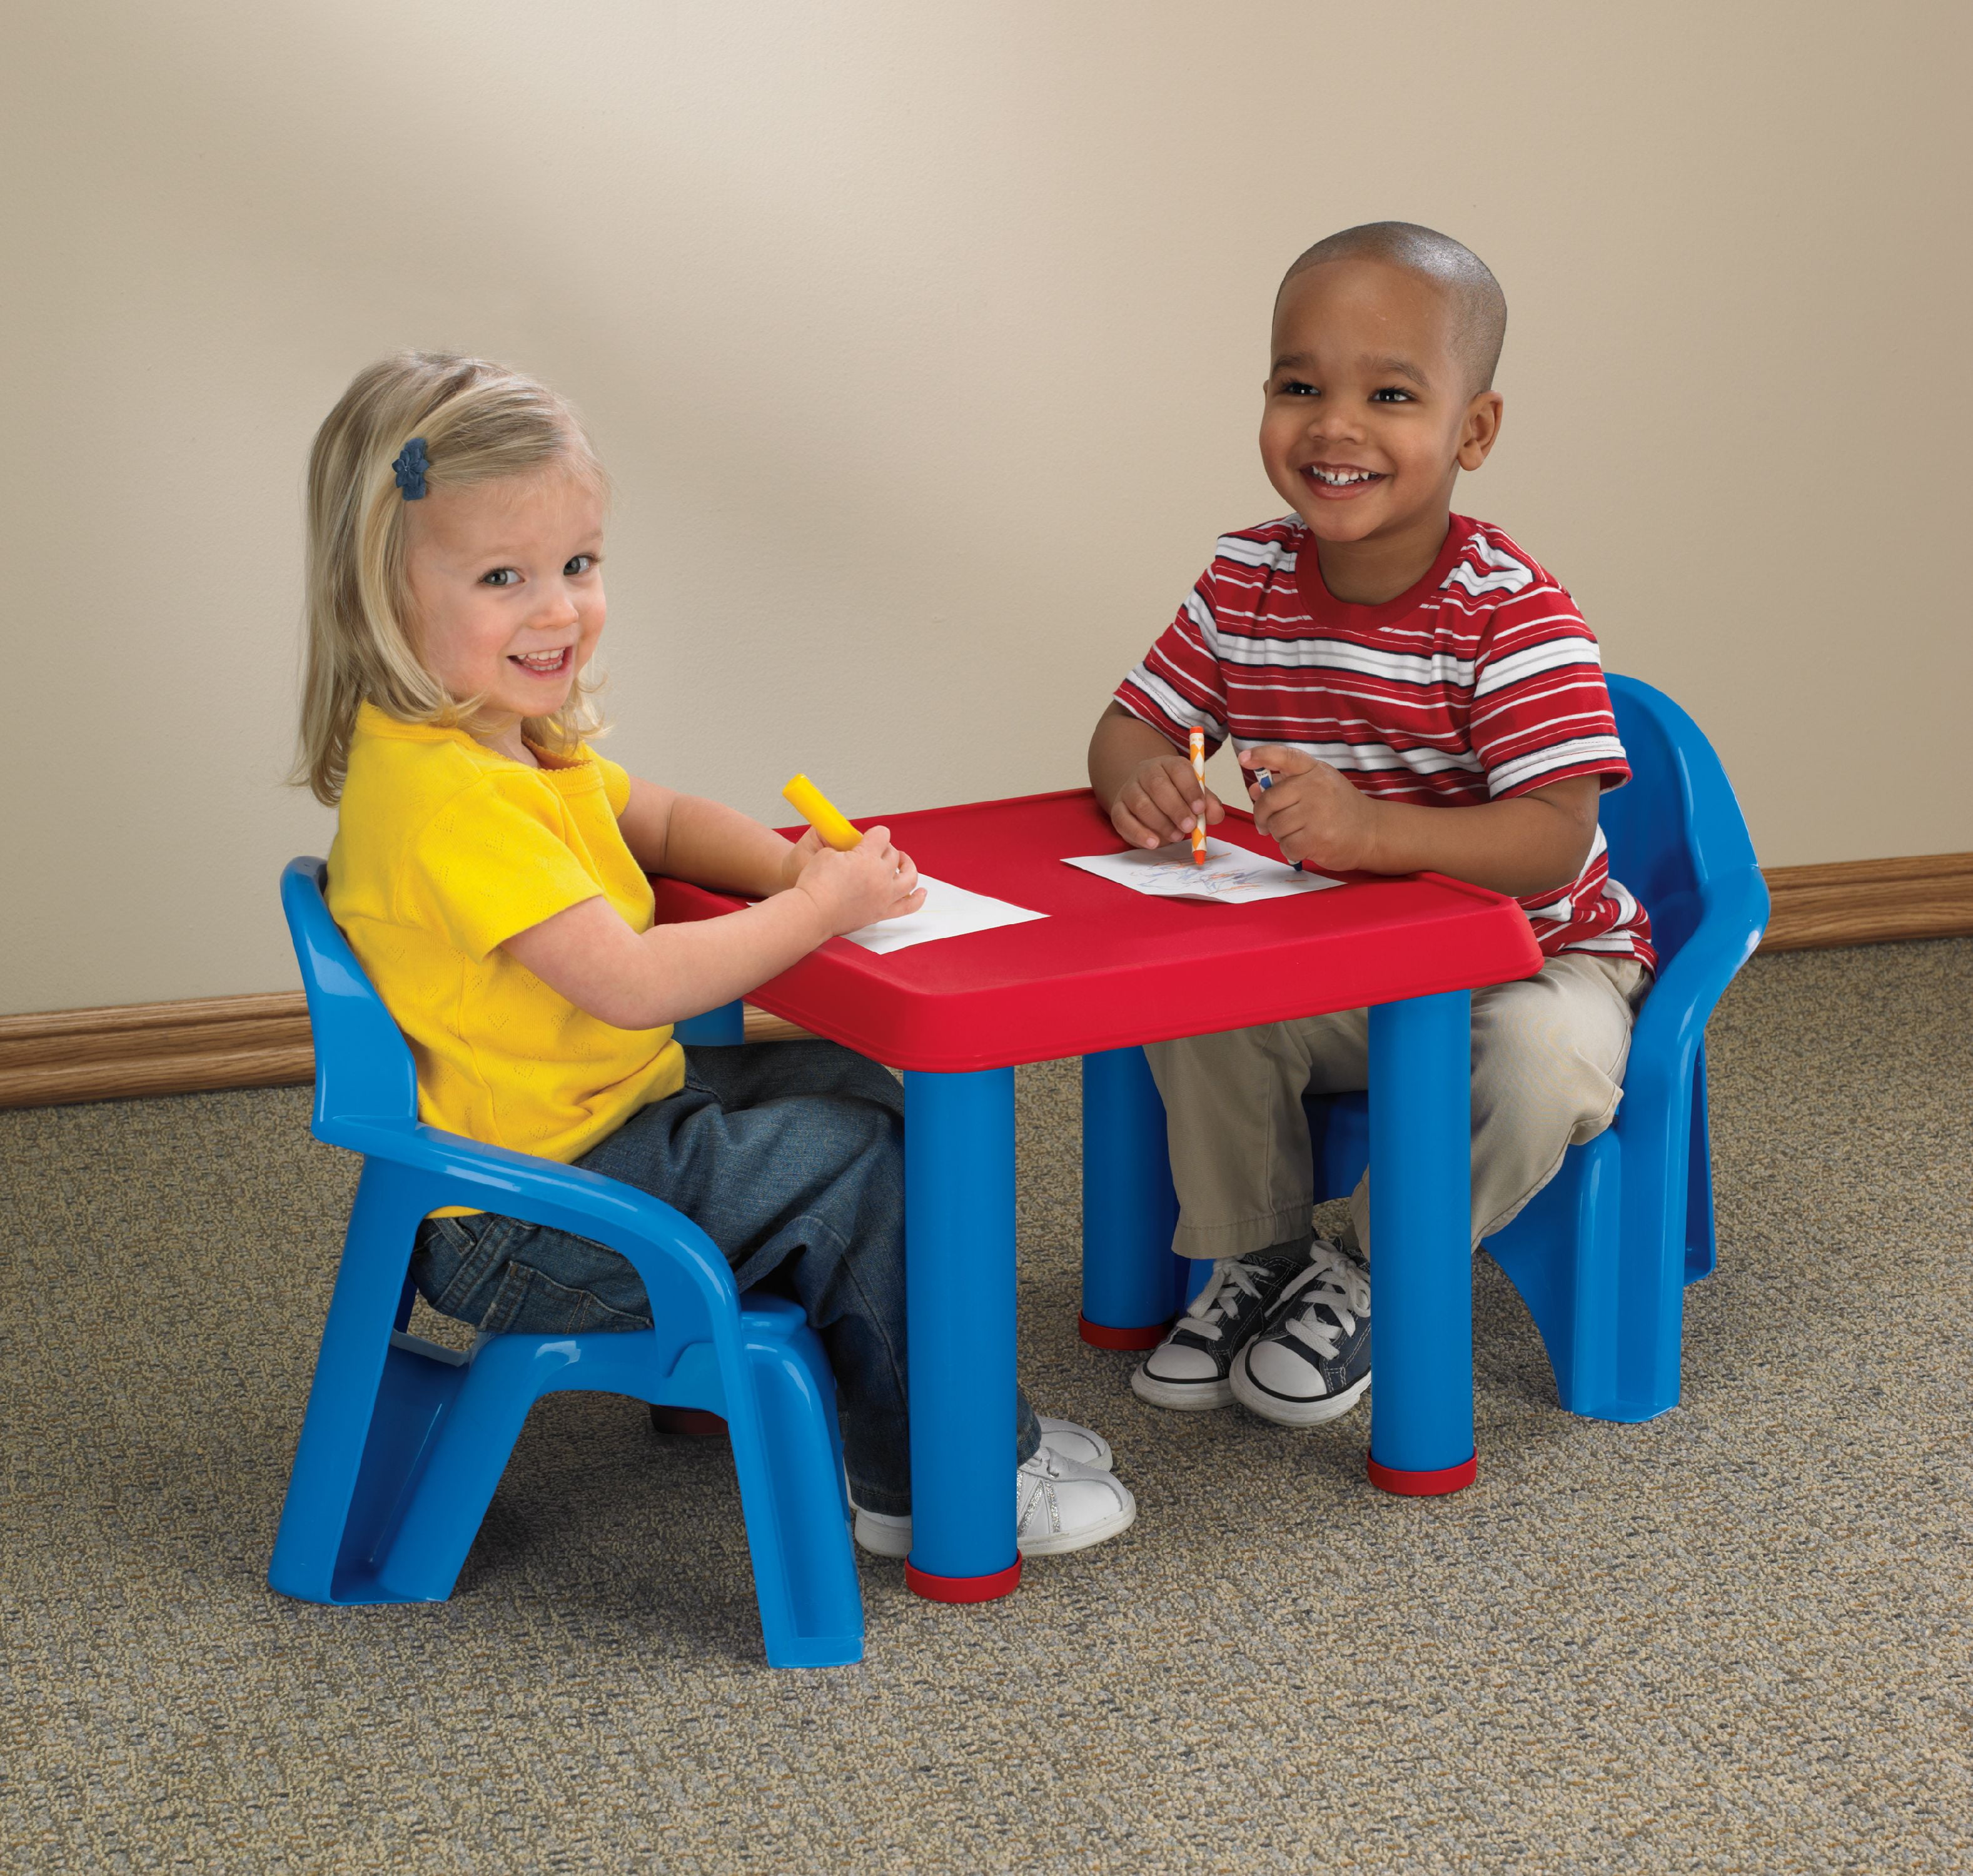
[(444, 850)]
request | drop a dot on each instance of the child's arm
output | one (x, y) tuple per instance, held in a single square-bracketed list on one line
[(685, 837), (1145, 786), (1533, 843), (640, 979)]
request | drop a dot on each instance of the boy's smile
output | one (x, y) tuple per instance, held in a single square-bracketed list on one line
[(1370, 415)]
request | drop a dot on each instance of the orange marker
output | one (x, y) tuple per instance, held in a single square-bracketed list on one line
[(1199, 826)]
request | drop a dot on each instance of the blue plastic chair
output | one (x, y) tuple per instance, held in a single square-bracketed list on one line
[(403, 1441), (1602, 1254)]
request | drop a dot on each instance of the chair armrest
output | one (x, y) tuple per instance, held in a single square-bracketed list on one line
[(661, 1243), (1672, 1023)]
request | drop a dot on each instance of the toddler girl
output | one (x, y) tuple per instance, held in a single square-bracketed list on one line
[(488, 870)]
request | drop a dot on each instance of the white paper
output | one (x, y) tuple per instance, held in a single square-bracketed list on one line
[(1231, 876), (948, 911)]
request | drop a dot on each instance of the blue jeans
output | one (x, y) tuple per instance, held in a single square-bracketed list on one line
[(789, 1156)]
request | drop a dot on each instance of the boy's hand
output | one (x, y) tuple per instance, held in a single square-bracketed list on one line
[(871, 881), (1160, 802), (1312, 812)]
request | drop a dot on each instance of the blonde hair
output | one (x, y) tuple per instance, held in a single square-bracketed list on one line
[(480, 422)]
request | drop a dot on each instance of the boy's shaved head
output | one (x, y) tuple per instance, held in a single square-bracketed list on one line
[(1480, 308)]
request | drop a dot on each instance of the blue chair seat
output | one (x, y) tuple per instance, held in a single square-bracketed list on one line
[(403, 1441), (1602, 1254)]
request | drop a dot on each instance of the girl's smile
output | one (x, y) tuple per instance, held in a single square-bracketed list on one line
[(507, 595)]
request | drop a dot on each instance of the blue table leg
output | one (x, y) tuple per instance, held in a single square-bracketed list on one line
[(723, 1028), (1420, 1244), (959, 1261), (1129, 1286)]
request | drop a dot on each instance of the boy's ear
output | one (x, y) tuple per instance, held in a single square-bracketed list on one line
[(1480, 430)]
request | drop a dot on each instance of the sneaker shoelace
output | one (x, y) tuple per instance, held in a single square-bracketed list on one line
[(1330, 1297), (1232, 1278)]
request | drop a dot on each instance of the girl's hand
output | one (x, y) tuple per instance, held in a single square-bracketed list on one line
[(1313, 813), (872, 881), (1160, 802), (798, 856)]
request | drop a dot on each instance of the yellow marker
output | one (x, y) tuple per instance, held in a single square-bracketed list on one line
[(819, 812), (1198, 769)]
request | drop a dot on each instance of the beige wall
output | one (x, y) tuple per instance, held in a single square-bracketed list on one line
[(923, 343)]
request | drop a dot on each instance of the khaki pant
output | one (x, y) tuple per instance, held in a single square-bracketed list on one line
[(1548, 1067)]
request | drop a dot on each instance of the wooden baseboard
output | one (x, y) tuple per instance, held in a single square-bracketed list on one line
[(763, 1028), (263, 1041), (185, 1048), (1869, 902), (155, 1049)]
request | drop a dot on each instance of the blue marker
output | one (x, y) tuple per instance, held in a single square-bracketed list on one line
[(1267, 781)]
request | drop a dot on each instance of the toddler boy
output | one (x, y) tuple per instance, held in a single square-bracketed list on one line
[(1423, 695)]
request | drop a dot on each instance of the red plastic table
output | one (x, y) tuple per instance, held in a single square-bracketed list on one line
[(1106, 971)]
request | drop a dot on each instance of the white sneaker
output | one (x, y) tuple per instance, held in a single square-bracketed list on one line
[(1082, 1444), (883, 1534), (1060, 1504)]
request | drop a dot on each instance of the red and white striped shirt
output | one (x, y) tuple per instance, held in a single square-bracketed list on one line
[(1480, 683)]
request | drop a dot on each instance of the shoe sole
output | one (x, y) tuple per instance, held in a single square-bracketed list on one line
[(1184, 1396), (1255, 1399), (877, 1541), (1059, 1543)]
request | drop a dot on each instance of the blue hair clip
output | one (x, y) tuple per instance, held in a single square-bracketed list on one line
[(411, 464)]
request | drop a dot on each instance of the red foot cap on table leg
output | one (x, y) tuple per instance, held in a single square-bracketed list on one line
[(1101, 1335), (1422, 1485), (963, 1588)]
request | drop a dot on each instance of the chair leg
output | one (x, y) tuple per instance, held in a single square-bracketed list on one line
[(1604, 1279), (1339, 1133), (1699, 1252), (443, 1501), (1561, 1254), (790, 1463), (371, 1405)]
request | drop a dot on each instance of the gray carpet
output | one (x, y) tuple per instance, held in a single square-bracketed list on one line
[(1734, 1639)]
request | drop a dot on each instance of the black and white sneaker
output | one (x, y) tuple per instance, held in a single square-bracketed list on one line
[(1188, 1369), (1312, 1361)]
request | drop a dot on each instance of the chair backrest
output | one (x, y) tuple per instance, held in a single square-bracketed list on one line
[(1676, 824), (363, 1068)]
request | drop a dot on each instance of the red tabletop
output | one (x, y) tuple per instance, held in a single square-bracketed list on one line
[(1108, 967)]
